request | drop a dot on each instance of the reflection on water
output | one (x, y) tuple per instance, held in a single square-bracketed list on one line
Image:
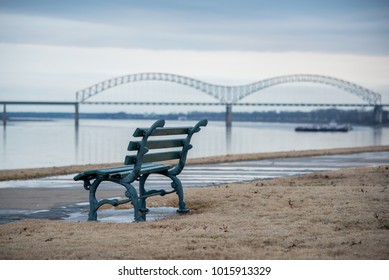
[(377, 136), (228, 139), (76, 139), (58, 143), (4, 137)]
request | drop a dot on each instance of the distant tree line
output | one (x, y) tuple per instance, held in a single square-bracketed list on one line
[(317, 116)]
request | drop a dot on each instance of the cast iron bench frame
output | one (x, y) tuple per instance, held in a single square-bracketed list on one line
[(139, 166)]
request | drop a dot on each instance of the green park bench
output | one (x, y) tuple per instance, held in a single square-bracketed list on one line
[(140, 164)]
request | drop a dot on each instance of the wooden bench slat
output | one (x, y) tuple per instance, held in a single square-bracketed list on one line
[(128, 168), (107, 171), (146, 169), (102, 172), (154, 167), (157, 144), (154, 157), (161, 156), (163, 131), (84, 174)]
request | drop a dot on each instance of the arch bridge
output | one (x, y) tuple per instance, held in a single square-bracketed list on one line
[(231, 95), (225, 95)]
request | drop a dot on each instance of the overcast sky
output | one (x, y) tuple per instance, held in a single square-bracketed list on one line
[(51, 49)]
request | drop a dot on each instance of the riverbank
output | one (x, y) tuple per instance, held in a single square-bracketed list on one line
[(21, 174), (327, 215)]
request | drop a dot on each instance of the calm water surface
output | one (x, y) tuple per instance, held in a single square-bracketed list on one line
[(56, 143)]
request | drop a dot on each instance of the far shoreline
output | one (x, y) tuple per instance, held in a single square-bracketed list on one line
[(30, 173)]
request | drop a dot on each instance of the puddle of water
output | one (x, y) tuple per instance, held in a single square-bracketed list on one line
[(122, 215), (5, 212)]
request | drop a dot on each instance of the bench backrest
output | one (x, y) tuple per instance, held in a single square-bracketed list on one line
[(168, 143)]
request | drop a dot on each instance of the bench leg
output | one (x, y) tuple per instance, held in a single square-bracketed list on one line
[(93, 203), (131, 193), (176, 184), (142, 193)]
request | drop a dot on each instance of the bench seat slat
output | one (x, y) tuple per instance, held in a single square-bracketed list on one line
[(90, 174), (84, 174), (157, 144), (154, 167), (146, 168), (164, 131)]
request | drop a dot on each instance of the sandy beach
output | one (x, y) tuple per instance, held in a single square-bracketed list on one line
[(340, 214)]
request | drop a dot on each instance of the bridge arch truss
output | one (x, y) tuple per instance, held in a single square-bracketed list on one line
[(230, 94)]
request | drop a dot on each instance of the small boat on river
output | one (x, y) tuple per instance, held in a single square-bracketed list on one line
[(332, 127)]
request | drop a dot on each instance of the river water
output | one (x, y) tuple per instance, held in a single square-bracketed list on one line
[(30, 144)]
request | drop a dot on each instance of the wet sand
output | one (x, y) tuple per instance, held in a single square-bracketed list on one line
[(45, 198), (20, 174), (341, 214)]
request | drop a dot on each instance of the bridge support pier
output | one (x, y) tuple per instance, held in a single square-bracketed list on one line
[(4, 115), (377, 114), (228, 115), (76, 115)]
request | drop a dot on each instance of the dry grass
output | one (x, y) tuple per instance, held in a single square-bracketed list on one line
[(331, 215)]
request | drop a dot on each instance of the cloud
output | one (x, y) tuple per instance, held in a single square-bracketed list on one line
[(56, 31), (202, 26), (51, 49), (73, 68)]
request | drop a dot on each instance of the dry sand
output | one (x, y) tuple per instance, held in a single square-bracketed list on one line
[(328, 215)]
